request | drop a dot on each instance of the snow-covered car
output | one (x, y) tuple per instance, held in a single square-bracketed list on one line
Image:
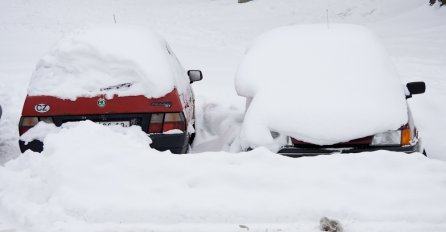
[(114, 75), (321, 89)]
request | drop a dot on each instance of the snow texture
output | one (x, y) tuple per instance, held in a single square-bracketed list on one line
[(319, 84), (95, 178), (175, 131), (219, 191), (125, 60), (39, 132), (330, 225)]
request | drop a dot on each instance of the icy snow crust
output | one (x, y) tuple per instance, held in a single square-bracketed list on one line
[(319, 85), (96, 178), (125, 60)]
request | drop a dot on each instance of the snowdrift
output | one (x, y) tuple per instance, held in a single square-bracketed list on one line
[(95, 178), (125, 60), (319, 85)]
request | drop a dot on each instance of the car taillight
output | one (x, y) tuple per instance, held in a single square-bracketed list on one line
[(46, 119), (26, 123), (156, 123), (174, 121), (163, 122)]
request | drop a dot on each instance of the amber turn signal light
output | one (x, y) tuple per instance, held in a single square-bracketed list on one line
[(406, 136)]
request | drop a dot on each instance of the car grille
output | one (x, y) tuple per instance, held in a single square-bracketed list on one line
[(362, 142)]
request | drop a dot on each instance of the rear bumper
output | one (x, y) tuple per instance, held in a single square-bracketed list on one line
[(300, 152), (176, 143)]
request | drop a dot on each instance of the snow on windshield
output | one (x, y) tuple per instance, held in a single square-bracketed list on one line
[(108, 59), (320, 85)]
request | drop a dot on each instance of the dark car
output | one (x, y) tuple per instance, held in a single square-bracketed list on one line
[(313, 89), (404, 139)]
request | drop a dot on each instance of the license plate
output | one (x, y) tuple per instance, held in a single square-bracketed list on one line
[(116, 123)]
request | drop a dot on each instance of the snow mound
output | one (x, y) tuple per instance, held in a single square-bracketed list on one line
[(125, 60), (95, 178), (320, 85), (40, 131)]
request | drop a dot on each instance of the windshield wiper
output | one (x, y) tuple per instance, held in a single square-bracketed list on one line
[(120, 86)]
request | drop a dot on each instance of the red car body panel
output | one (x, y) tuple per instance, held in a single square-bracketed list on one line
[(99, 108), (88, 106)]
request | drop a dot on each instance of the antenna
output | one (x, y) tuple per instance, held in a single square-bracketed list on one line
[(328, 21), (114, 17), (326, 12)]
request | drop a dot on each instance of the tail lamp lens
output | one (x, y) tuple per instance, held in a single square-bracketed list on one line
[(46, 119), (29, 121), (156, 123), (26, 123), (174, 121), (162, 122)]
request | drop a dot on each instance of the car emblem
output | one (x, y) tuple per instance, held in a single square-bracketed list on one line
[(165, 104), (101, 102), (42, 108)]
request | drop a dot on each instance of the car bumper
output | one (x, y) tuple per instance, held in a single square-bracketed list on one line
[(176, 143), (300, 152)]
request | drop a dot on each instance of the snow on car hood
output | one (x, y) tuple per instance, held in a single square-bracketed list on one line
[(319, 84), (100, 59)]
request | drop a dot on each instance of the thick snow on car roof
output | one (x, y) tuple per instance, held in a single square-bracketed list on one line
[(319, 84), (108, 59)]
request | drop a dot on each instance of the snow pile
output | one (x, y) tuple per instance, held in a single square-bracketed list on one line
[(108, 59), (218, 127), (96, 178), (40, 131), (320, 85)]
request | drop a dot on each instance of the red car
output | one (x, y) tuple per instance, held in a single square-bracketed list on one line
[(168, 120), (154, 115)]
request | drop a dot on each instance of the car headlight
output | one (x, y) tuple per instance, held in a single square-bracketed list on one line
[(392, 138)]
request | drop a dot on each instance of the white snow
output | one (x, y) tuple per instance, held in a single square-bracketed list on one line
[(319, 84), (108, 59), (218, 127), (219, 191), (39, 132), (174, 131), (96, 178)]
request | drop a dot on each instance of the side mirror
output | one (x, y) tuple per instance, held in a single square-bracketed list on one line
[(194, 75), (418, 87)]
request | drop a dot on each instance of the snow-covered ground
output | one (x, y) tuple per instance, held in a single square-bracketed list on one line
[(120, 184), (132, 188)]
